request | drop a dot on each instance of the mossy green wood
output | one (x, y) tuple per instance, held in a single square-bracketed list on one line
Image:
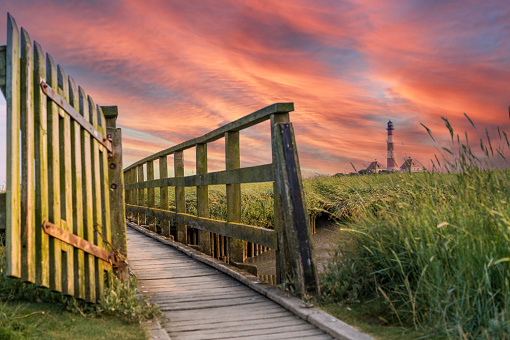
[(163, 194), (233, 161), (13, 212), (280, 252), (3, 68), (88, 203), (262, 236), (105, 198), (300, 268), (66, 186), (77, 184), (141, 193), (180, 196), (117, 195), (136, 216), (151, 199), (240, 124), (41, 170), (131, 194), (204, 238), (54, 177), (3, 196), (96, 199), (255, 174), (28, 271)]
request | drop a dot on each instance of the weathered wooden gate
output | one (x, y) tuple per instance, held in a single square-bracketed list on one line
[(64, 173)]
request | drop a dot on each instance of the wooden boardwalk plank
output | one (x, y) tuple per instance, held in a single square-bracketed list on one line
[(200, 302)]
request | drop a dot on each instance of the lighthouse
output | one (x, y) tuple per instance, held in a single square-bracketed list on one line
[(391, 163)]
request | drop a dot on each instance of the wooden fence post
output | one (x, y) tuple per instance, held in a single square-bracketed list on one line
[(233, 161), (151, 203), (141, 194), (180, 196), (163, 194), (204, 238), (300, 269), (116, 184), (281, 264)]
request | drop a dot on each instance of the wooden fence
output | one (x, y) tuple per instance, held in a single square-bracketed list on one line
[(64, 180), (231, 240)]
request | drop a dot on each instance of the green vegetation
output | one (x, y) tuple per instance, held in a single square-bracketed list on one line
[(432, 246), (27, 311)]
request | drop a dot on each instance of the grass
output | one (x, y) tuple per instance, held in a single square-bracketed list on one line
[(434, 247), (29, 312), (30, 320)]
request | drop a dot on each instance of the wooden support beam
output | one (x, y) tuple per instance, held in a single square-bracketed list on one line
[(281, 264), (141, 194), (233, 161), (180, 196), (255, 174), (116, 185), (204, 238), (263, 236), (163, 194), (151, 198), (300, 268)]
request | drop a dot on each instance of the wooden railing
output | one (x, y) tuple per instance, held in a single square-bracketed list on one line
[(228, 239)]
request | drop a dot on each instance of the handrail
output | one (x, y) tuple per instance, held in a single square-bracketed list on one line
[(240, 124), (231, 240)]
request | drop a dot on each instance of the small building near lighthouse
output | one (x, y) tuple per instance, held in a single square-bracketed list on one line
[(411, 165), (375, 167)]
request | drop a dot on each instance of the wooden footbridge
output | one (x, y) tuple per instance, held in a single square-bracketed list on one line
[(68, 200)]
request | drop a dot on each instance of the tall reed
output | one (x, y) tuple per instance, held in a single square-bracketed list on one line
[(438, 249)]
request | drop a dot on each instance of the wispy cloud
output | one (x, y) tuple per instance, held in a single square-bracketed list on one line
[(178, 69)]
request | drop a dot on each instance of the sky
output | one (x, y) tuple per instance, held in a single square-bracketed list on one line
[(179, 69)]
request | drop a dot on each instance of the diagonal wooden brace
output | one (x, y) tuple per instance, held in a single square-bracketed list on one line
[(78, 242)]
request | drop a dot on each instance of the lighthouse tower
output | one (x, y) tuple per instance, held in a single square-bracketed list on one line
[(391, 163)]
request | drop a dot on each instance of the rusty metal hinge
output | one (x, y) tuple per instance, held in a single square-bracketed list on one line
[(64, 105), (78, 242)]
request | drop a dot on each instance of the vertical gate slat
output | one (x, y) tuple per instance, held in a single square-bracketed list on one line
[(105, 193), (13, 149), (66, 187), (54, 177), (96, 199), (41, 170), (77, 183), (88, 203), (233, 161), (163, 194), (151, 221), (180, 196), (204, 238), (27, 161)]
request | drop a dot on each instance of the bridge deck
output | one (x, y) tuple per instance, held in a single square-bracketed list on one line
[(203, 303)]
